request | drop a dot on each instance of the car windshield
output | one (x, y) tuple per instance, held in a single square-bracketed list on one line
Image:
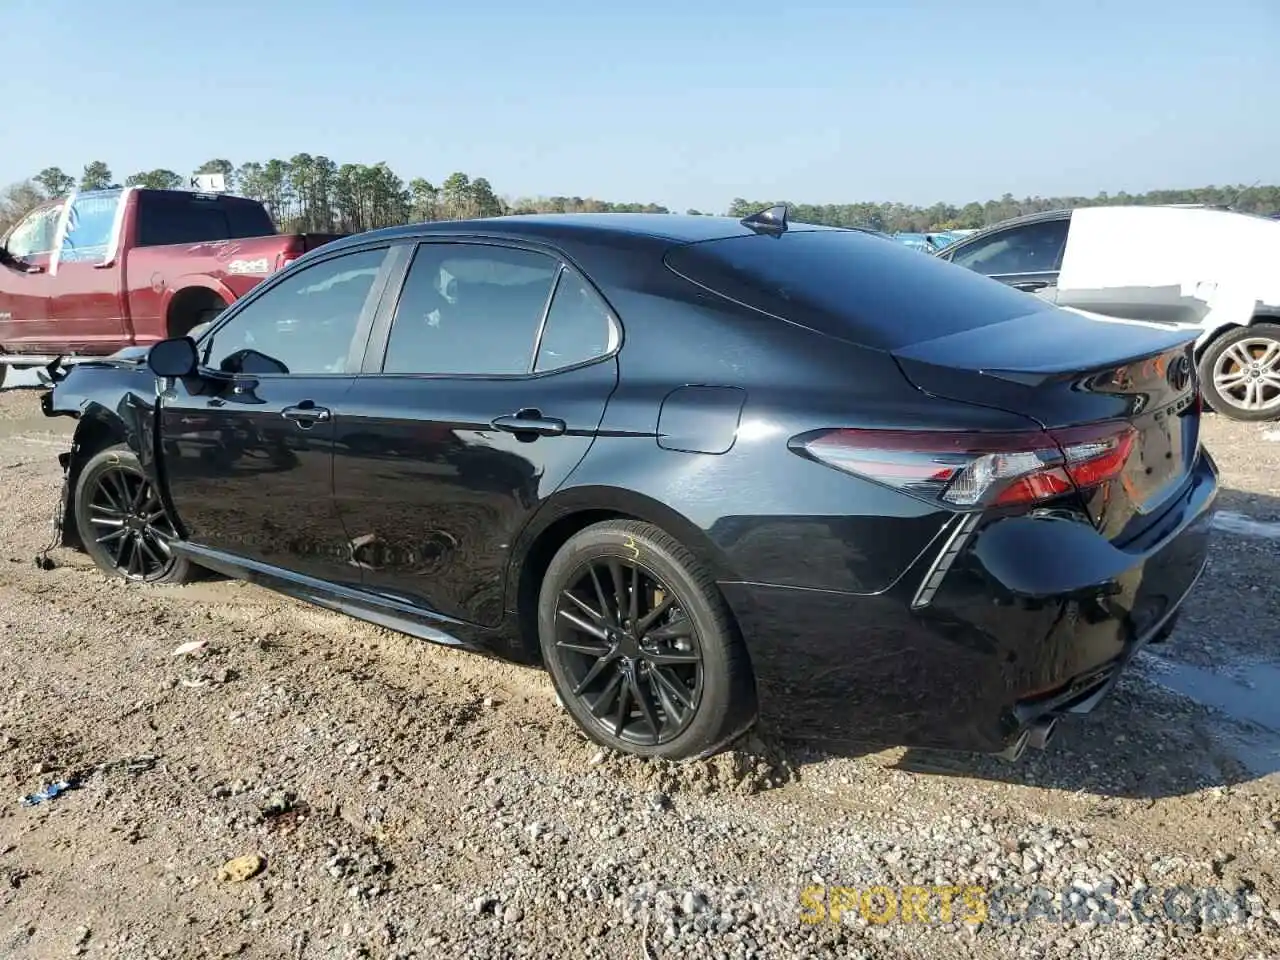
[(844, 283)]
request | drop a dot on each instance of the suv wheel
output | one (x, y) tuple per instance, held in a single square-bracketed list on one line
[(1240, 373)]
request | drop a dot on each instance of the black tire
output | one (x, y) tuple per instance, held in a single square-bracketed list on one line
[(1226, 356), (196, 323), (208, 316), (113, 487), (694, 622), (4, 373)]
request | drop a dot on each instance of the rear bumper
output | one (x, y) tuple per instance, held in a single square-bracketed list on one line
[(1033, 617)]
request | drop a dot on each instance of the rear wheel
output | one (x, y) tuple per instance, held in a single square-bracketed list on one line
[(641, 647), (193, 318), (122, 523), (1240, 373)]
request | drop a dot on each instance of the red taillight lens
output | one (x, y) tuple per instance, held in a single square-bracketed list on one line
[(284, 259), (977, 469)]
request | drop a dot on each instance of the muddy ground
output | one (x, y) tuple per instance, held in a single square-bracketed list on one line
[(413, 801)]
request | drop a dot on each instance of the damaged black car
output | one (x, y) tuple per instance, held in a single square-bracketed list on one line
[(703, 470)]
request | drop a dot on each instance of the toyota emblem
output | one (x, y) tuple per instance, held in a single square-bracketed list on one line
[(1180, 373)]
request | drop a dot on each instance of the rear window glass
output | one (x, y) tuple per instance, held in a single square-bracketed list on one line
[(179, 217), (850, 285)]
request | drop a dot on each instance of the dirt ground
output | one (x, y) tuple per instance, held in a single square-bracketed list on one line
[(403, 800)]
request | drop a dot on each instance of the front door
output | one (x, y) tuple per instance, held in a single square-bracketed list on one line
[(25, 284), (1026, 256), (247, 446), (88, 313), (494, 380)]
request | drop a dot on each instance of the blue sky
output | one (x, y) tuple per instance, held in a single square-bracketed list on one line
[(679, 102)]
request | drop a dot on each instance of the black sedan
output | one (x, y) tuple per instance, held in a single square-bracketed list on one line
[(702, 469)]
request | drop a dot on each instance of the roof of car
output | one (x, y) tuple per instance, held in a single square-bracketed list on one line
[(670, 227), (1027, 218)]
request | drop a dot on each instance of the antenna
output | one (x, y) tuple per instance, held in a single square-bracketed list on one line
[(772, 220)]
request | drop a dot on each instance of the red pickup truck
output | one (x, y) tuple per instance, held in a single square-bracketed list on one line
[(89, 274)]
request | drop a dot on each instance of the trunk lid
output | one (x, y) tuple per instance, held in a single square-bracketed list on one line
[(1066, 369)]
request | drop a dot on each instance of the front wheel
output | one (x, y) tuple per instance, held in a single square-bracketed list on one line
[(1240, 373), (641, 647), (121, 522)]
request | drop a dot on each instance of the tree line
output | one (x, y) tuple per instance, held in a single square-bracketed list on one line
[(905, 218), (312, 193), (309, 193)]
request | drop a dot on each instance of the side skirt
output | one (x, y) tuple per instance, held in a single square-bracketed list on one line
[(392, 614)]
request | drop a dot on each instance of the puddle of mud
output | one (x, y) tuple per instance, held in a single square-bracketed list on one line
[(1247, 697), (1250, 693), (1229, 521)]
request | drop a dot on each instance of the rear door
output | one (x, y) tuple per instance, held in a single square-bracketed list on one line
[(247, 447), (488, 382), (1025, 256)]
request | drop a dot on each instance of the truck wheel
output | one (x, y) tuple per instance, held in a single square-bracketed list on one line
[(189, 317), (122, 523), (4, 371), (206, 317)]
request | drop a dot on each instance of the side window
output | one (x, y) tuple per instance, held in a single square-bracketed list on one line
[(89, 226), (167, 217), (302, 325), (469, 308), (35, 233), (1032, 248), (579, 326)]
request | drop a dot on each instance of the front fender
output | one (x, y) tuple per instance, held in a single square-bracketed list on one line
[(114, 403)]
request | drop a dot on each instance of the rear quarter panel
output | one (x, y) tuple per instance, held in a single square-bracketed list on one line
[(756, 511), (231, 268)]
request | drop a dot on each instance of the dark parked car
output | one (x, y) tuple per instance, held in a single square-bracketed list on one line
[(703, 469)]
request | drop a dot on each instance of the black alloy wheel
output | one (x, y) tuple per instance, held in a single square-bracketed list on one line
[(640, 644), (630, 650), (123, 524)]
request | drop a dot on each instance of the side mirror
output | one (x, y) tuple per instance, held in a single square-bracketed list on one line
[(173, 358), (7, 259)]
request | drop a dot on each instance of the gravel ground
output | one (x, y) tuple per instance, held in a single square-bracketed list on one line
[(395, 799)]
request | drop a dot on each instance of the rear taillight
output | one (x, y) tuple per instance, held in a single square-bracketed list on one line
[(977, 469), (286, 258)]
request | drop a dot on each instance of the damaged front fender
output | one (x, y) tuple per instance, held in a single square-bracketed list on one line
[(113, 401)]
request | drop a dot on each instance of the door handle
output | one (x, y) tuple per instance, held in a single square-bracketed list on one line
[(1031, 286), (529, 421), (306, 414)]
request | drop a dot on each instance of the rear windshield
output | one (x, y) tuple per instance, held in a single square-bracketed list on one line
[(850, 285), (167, 217)]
